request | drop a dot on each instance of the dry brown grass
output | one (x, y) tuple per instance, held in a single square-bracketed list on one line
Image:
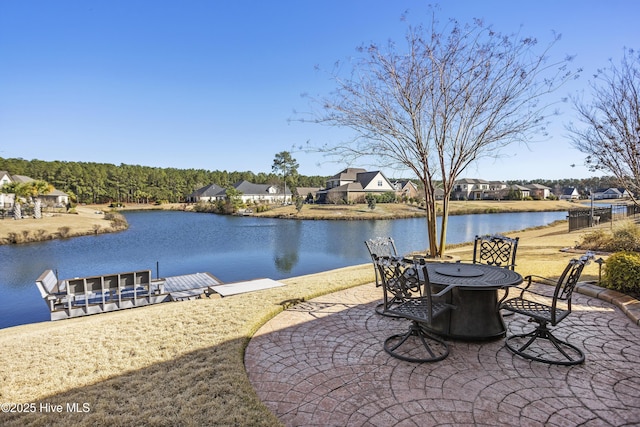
[(53, 226), (401, 210), (182, 363)]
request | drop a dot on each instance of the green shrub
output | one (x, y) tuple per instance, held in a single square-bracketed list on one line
[(622, 272)]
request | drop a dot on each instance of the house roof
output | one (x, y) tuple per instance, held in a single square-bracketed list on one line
[(537, 187), (55, 192), (248, 188), (22, 178), (613, 190), (350, 186), (210, 190), (349, 174), (471, 181), (304, 191), (568, 191), (364, 178)]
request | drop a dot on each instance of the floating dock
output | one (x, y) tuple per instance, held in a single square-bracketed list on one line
[(82, 296)]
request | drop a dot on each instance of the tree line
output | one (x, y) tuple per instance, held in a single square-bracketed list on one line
[(88, 182)]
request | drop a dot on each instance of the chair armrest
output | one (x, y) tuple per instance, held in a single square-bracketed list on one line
[(536, 279), (444, 291)]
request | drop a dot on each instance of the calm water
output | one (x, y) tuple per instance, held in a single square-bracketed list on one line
[(231, 248)]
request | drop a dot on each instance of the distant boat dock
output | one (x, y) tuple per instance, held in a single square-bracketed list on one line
[(82, 296)]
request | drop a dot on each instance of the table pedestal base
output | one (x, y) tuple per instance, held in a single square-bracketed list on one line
[(475, 316)]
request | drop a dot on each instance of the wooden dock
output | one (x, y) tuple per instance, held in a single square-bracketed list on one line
[(101, 294)]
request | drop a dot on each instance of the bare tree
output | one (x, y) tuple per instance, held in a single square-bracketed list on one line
[(610, 131), (453, 94)]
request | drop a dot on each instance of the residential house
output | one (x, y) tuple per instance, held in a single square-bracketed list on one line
[(309, 194), (515, 189), (407, 189), (261, 193), (208, 193), (569, 193), (611, 193), (353, 184), (471, 188), (5, 178), (539, 191), (258, 193), (6, 200), (53, 198)]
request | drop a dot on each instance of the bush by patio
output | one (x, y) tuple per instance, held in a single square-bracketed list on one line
[(622, 272)]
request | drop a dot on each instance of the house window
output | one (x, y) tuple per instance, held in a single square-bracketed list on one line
[(380, 183)]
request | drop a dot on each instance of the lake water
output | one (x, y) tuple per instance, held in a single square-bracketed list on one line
[(231, 248)]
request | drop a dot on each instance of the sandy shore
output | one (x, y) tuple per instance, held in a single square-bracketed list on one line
[(87, 220)]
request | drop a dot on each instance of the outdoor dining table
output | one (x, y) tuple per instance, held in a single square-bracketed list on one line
[(476, 315)]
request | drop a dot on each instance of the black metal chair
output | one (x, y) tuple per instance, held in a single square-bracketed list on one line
[(540, 344), (419, 305), (495, 249), (383, 247)]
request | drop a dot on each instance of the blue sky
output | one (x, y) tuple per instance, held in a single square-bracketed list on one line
[(212, 84)]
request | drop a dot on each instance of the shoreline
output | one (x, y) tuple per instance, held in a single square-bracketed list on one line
[(93, 219)]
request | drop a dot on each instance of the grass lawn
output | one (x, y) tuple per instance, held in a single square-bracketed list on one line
[(182, 363), (401, 210)]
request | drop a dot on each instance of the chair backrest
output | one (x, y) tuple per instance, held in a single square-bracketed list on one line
[(47, 283), (567, 284), (398, 277), (569, 279), (495, 250), (380, 247)]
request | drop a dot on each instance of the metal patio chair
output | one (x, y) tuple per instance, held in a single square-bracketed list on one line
[(540, 344), (383, 247), (419, 305), (495, 249)]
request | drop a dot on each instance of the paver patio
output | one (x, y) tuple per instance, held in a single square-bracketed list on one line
[(321, 363)]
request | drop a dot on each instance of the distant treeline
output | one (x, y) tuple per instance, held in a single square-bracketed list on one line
[(102, 182)]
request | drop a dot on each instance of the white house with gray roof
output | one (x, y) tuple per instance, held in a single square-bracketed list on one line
[(53, 198), (250, 192), (208, 193)]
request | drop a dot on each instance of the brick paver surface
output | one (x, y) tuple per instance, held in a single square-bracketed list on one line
[(321, 363)]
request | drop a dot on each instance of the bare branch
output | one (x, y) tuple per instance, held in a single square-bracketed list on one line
[(451, 95)]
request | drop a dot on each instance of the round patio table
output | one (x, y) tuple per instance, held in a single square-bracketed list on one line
[(476, 315)]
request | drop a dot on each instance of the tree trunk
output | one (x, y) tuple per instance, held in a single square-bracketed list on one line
[(443, 227)]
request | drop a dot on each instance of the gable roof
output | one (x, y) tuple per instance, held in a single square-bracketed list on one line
[(349, 174), (537, 187), (364, 178), (22, 178), (247, 188), (210, 190)]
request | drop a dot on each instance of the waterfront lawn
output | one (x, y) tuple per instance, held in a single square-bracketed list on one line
[(405, 210)]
